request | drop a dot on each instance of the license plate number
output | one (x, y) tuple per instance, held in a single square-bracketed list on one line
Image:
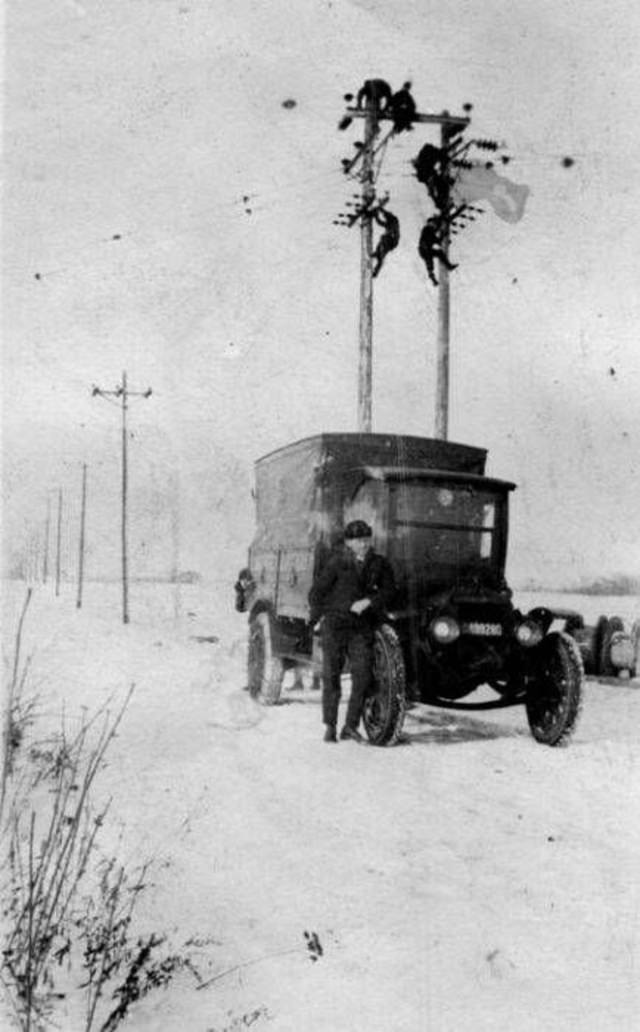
[(487, 630)]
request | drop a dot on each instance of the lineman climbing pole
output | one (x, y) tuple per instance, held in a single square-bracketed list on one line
[(449, 126), (124, 393)]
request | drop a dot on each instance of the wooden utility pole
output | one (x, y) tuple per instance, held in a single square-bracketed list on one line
[(83, 508), (33, 559), (124, 393), (443, 347), (58, 541), (449, 125), (47, 531), (365, 362), (123, 534)]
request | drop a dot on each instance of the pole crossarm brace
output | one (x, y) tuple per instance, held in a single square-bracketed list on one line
[(443, 119), (119, 391)]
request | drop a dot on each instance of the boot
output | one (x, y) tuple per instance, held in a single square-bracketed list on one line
[(330, 734), (351, 733)]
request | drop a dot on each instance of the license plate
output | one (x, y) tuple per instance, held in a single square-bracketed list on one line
[(487, 630)]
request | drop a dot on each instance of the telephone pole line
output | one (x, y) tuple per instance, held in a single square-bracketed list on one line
[(47, 527), (443, 346), (83, 509), (58, 541), (123, 392), (365, 361), (449, 126)]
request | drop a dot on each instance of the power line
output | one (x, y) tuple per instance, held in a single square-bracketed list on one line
[(281, 196)]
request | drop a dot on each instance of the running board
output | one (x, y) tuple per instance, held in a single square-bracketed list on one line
[(501, 703)]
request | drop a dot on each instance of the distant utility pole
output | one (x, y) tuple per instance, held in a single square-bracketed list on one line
[(124, 393), (33, 559), (47, 526), (449, 124), (58, 541), (83, 508)]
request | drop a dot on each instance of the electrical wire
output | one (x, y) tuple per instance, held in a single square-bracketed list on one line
[(265, 200)]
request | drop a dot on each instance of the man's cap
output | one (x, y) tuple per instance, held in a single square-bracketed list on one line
[(357, 529)]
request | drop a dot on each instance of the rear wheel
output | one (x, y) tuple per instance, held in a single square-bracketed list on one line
[(554, 695), (598, 639), (605, 666), (385, 707), (635, 642), (266, 670)]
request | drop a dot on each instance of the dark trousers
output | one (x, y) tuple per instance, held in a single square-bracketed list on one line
[(339, 640)]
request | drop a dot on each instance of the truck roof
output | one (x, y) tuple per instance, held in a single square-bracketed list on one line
[(301, 488), (421, 472), (358, 449)]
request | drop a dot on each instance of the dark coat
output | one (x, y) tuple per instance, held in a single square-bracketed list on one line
[(342, 581)]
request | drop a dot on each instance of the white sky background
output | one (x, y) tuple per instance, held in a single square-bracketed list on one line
[(152, 119)]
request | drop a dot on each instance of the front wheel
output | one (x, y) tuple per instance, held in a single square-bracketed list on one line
[(554, 693), (385, 707), (266, 670)]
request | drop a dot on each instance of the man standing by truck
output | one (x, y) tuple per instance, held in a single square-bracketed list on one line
[(350, 595)]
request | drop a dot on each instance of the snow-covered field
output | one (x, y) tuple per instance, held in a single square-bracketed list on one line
[(468, 879)]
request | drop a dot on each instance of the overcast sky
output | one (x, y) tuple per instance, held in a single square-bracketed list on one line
[(166, 213)]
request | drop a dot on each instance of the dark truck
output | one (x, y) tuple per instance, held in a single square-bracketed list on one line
[(443, 525)]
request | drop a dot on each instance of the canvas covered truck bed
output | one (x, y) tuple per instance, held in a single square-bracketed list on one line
[(302, 495)]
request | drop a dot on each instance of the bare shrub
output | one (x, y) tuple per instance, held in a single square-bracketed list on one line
[(118, 967), (51, 840), (18, 712), (68, 911)]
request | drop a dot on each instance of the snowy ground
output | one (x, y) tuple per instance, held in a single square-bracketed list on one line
[(468, 879)]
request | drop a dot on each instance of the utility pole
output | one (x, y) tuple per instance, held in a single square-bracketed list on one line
[(443, 347), (365, 359), (449, 126), (83, 508), (58, 541), (32, 563), (47, 525), (35, 548), (124, 393)]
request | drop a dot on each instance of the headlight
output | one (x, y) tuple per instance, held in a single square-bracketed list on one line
[(444, 629), (529, 633)]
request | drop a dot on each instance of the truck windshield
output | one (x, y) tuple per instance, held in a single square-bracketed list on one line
[(436, 524)]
